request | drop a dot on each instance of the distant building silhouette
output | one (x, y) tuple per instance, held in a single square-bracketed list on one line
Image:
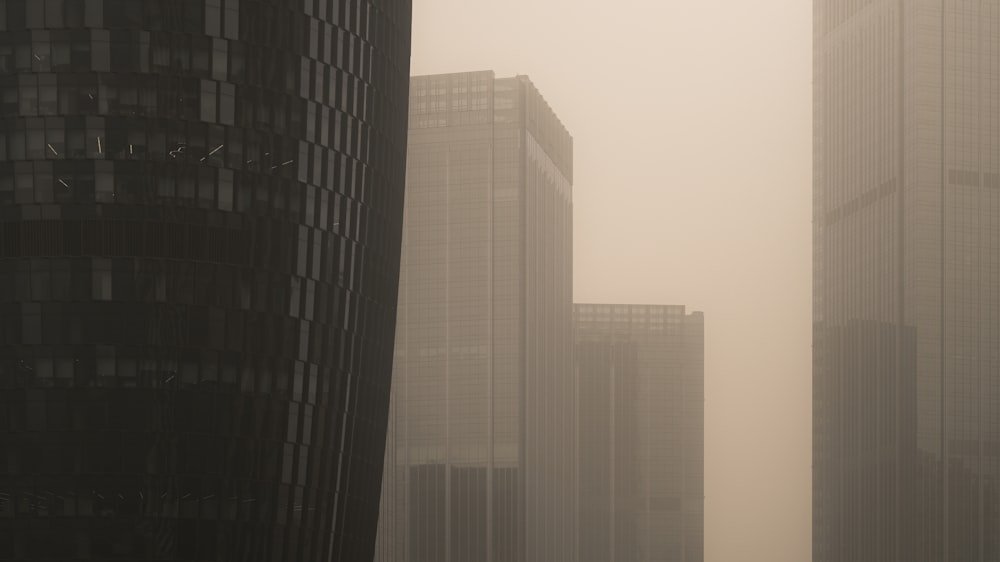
[(200, 223), (640, 371), (481, 454), (906, 374)]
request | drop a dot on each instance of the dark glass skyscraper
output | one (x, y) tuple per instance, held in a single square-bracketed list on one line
[(641, 428), (906, 426), (480, 465), (200, 219)]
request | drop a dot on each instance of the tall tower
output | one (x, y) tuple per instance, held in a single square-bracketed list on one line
[(481, 463), (200, 223), (906, 445), (641, 416)]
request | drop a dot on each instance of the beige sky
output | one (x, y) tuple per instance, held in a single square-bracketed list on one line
[(692, 130)]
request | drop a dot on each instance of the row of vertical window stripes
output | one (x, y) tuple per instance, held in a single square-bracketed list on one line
[(252, 146), (164, 53), (122, 368), (255, 22), (191, 199), (232, 19), (218, 329), (333, 259), (185, 98)]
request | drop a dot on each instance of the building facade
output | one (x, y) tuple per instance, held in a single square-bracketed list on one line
[(200, 223), (480, 466), (641, 446), (906, 426)]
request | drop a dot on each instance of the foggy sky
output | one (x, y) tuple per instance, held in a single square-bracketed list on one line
[(692, 185)]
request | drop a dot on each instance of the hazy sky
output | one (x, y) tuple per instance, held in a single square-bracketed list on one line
[(692, 135)]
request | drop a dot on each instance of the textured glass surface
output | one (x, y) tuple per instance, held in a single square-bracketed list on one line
[(641, 432), (480, 463), (906, 446), (200, 218)]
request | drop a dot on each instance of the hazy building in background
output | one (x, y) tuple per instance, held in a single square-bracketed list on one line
[(200, 219), (641, 427), (907, 281), (481, 458)]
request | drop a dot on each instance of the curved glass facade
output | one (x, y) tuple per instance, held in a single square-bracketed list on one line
[(200, 220)]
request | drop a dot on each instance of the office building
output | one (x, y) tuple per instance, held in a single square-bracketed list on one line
[(906, 422), (200, 222), (480, 466), (641, 448)]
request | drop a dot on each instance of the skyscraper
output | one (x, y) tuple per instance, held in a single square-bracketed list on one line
[(481, 463), (906, 423), (641, 408), (200, 219)]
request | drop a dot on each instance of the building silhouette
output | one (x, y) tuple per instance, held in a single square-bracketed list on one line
[(479, 465), (906, 422), (200, 220), (641, 448)]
